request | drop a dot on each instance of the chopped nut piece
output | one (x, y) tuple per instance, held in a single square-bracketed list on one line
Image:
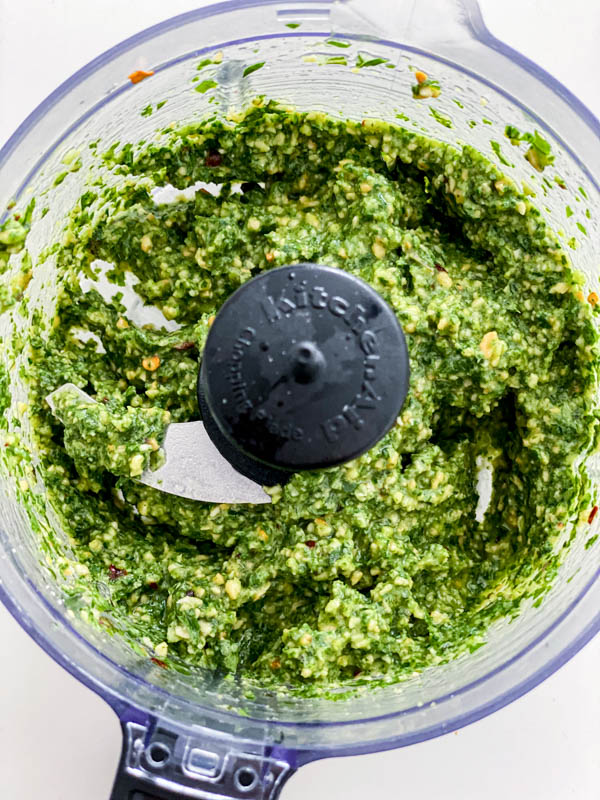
[(378, 250), (487, 343), (443, 279), (136, 465), (233, 588)]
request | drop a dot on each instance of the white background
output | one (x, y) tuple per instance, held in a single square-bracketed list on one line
[(58, 741)]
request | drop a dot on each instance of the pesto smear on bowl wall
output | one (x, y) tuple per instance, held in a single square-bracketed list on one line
[(379, 567)]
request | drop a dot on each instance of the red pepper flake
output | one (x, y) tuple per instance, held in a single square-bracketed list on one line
[(17, 217), (593, 513), (159, 663), (440, 268), (357, 672), (213, 160), (153, 585), (184, 346), (311, 543), (140, 75), (115, 572)]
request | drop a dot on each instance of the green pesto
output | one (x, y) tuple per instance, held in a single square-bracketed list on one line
[(99, 437), (377, 568)]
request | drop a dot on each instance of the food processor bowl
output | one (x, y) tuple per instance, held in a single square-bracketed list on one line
[(195, 734)]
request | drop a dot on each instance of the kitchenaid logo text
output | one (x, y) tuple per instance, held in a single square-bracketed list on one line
[(366, 399), (239, 386), (355, 317), (317, 298)]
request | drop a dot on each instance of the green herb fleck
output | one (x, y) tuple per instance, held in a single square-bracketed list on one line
[(471, 123), (475, 646), (588, 213), (539, 153), (204, 63), (496, 148), (205, 86), (486, 121), (441, 118), (336, 43), (403, 116), (161, 104), (337, 60), (569, 211), (583, 192), (370, 62), (458, 103), (252, 68), (292, 25), (146, 112), (560, 182), (582, 228), (591, 541)]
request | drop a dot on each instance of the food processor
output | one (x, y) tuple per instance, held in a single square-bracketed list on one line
[(198, 735)]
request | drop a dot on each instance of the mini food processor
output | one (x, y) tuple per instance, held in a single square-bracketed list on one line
[(194, 734)]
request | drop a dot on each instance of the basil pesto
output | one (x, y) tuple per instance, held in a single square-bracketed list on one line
[(382, 566), (101, 438)]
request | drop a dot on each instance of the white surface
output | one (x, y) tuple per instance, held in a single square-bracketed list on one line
[(58, 741)]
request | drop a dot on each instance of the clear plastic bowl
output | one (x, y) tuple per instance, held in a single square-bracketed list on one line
[(186, 735)]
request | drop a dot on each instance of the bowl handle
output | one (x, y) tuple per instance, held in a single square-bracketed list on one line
[(163, 761), (420, 21)]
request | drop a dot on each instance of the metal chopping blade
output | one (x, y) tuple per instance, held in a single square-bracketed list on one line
[(193, 466)]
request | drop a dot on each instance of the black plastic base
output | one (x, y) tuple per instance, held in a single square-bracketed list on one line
[(249, 467)]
